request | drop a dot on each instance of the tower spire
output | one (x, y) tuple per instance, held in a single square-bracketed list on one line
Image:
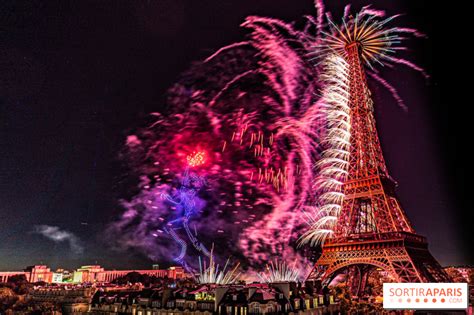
[(366, 155), (372, 230), (370, 205)]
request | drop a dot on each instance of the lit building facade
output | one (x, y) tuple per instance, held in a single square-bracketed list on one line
[(465, 272), (35, 273), (39, 273), (88, 274), (6, 275), (71, 300), (98, 274), (57, 277)]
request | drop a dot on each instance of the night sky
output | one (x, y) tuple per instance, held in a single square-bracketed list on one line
[(77, 76)]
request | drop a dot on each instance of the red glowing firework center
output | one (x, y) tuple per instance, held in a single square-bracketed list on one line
[(196, 158)]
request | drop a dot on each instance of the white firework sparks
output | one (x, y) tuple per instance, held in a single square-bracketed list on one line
[(279, 272), (377, 42), (334, 163), (212, 274)]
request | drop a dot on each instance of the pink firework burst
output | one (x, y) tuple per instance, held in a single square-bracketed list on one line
[(257, 107)]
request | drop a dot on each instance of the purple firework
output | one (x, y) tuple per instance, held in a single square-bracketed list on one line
[(250, 107)]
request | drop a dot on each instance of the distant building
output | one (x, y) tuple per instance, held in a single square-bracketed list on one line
[(57, 277), (39, 273), (86, 274), (462, 274), (6, 275), (464, 271), (98, 274), (72, 300), (32, 274), (92, 273)]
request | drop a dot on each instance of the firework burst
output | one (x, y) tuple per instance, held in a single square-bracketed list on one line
[(334, 162), (251, 108), (368, 30), (212, 275), (279, 272), (275, 128), (375, 43), (195, 159)]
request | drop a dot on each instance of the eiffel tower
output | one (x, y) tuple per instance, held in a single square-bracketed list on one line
[(372, 231)]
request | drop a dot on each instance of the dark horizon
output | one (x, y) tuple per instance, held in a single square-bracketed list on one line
[(78, 77)]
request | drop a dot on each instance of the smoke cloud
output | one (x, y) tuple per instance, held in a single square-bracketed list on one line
[(57, 235)]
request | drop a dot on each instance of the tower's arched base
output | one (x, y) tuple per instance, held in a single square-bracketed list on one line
[(360, 279), (403, 256)]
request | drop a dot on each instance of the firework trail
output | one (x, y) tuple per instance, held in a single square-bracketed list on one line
[(213, 275), (279, 272), (334, 162), (376, 44), (272, 117), (250, 107)]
